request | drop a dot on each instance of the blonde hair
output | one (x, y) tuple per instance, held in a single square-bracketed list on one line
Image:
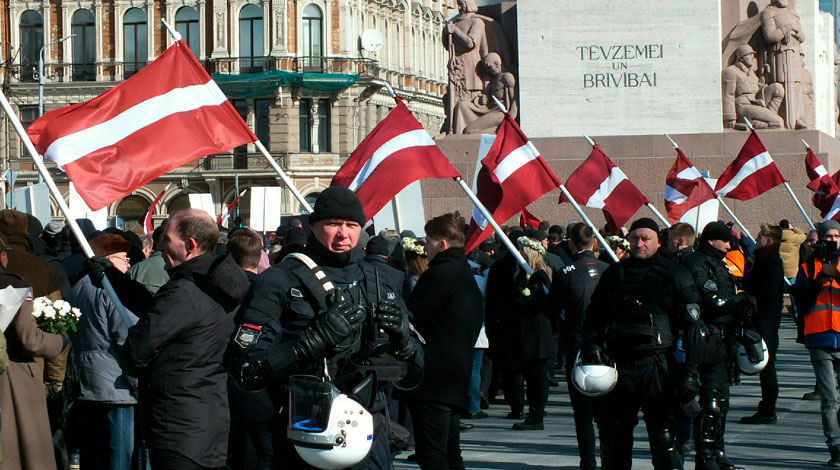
[(535, 260)]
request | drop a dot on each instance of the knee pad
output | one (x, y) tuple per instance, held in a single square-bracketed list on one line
[(663, 441)]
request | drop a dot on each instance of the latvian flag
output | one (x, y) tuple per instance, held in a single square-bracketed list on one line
[(685, 188), (603, 185), (166, 115), (395, 154), (753, 172), (512, 175), (825, 187), (226, 211)]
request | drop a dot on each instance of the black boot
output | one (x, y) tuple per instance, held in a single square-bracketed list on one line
[(835, 457), (534, 422)]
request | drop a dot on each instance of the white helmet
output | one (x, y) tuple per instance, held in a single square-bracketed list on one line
[(751, 356), (594, 380), (338, 439)]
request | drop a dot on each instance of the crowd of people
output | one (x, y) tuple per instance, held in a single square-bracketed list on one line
[(200, 363)]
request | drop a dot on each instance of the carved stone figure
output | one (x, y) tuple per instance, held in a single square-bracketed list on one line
[(783, 32), (745, 96), (220, 29), (482, 113)]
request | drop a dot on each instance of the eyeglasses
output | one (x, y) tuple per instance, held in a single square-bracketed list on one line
[(126, 259)]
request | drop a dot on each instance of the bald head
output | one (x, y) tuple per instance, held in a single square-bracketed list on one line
[(189, 233)]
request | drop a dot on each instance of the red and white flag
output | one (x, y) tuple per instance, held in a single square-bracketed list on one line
[(226, 211), (753, 172), (164, 116), (148, 226), (527, 219), (512, 175), (821, 182), (396, 153), (600, 183), (685, 188)]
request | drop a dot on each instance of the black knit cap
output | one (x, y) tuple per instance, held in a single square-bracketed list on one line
[(645, 222), (338, 202), (716, 231)]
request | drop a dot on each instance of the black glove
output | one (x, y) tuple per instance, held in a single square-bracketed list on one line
[(746, 305), (591, 353), (392, 319), (538, 280), (688, 385), (95, 268), (331, 328)]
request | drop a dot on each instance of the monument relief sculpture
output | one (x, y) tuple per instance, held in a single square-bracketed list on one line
[(744, 96), (482, 113), (783, 32), (469, 37)]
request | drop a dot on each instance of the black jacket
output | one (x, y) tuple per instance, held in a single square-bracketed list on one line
[(766, 282), (447, 308), (571, 292), (715, 284), (177, 347)]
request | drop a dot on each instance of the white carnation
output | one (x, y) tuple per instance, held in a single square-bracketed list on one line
[(62, 306), (37, 312), (49, 312), (40, 302), (76, 312)]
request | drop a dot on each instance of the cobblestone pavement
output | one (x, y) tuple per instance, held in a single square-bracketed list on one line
[(795, 442)]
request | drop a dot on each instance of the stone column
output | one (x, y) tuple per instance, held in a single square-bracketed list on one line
[(220, 26), (279, 27)]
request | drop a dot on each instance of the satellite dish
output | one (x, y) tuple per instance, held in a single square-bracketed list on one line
[(371, 40)]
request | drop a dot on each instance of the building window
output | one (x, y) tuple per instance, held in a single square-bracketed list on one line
[(240, 154), (178, 203), (130, 214), (28, 115), (323, 125), (305, 124), (310, 198), (186, 23), (261, 121), (312, 38), (250, 39), (136, 47), (31, 42), (84, 46)]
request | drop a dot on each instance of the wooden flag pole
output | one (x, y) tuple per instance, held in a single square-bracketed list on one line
[(787, 186), (649, 205), (59, 199)]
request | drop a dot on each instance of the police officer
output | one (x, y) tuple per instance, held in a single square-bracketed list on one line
[(638, 309), (722, 309), (332, 307)]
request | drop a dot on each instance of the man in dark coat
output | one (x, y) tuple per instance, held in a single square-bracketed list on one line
[(447, 308), (765, 281), (572, 292), (177, 347)]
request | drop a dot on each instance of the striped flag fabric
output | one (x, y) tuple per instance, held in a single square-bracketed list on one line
[(752, 173), (164, 116), (512, 175), (603, 185), (148, 226), (227, 210), (396, 153), (685, 188), (527, 219), (826, 188)]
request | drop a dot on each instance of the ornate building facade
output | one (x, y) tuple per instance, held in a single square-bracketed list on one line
[(310, 123)]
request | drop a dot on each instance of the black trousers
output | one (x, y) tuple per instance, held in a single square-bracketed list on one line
[(534, 372), (259, 434), (584, 411), (767, 377), (437, 435), (165, 459)]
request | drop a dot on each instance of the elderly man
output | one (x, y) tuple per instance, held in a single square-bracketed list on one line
[(816, 293), (326, 306), (177, 347)]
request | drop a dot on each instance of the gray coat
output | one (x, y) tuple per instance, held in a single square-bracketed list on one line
[(101, 330)]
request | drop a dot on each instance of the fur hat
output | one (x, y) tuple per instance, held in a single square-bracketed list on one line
[(108, 244), (13, 222)]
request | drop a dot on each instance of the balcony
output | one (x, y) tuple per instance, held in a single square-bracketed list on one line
[(243, 65)]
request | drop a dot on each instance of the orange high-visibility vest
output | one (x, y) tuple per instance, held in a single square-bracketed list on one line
[(825, 314), (735, 262)]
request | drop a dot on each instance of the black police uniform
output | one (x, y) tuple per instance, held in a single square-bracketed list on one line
[(572, 291), (637, 312), (284, 303), (722, 309)]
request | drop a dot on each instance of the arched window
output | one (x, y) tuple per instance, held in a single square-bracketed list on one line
[(179, 202), (313, 48), (186, 23), (310, 198), (251, 39), (131, 211), (135, 33), (31, 42), (84, 45)]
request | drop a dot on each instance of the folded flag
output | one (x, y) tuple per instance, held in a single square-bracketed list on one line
[(685, 188), (226, 211)]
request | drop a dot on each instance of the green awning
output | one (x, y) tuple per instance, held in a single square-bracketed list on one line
[(251, 85)]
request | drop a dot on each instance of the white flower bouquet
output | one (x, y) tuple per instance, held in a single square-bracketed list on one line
[(55, 316)]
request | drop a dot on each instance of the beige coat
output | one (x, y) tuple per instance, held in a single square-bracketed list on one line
[(26, 438), (789, 250)]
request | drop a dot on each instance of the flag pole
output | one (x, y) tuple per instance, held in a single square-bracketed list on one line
[(59, 199), (787, 186), (649, 205), (394, 201), (509, 244), (577, 207)]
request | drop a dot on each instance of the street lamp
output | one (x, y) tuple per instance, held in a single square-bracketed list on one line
[(41, 78)]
